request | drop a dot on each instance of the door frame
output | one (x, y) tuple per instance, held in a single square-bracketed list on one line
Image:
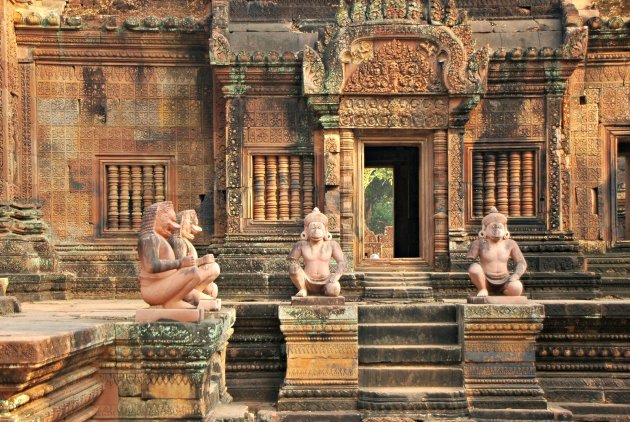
[(423, 140), (613, 135)]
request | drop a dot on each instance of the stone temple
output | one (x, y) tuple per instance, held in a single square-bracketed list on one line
[(404, 121)]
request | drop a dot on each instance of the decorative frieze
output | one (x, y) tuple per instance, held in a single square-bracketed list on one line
[(392, 112)]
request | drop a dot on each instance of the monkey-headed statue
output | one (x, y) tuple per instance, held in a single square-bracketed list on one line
[(494, 248), (181, 241), (165, 280), (316, 248)]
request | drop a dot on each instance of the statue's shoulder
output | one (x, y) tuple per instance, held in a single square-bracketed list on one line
[(333, 244)]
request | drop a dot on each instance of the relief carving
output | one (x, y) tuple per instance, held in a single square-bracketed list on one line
[(575, 43), (219, 48), (313, 71), (397, 67), (414, 112)]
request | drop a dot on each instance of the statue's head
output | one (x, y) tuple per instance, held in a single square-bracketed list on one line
[(494, 225), (159, 218), (189, 224), (316, 226)]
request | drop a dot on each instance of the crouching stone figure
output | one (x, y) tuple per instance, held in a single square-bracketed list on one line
[(181, 241), (164, 279), (316, 248), (494, 248)]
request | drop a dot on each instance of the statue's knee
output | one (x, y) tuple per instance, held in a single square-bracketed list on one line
[(294, 269), (514, 288), (215, 270), (195, 275), (332, 289), (475, 270)]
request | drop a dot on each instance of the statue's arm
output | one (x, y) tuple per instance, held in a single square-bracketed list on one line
[(149, 251), (340, 258), (473, 252), (294, 256), (519, 260), (179, 247)]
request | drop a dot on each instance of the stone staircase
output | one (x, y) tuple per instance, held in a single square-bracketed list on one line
[(393, 281), (410, 362), (614, 268)]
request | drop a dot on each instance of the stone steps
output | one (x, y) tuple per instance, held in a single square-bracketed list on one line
[(397, 284), (409, 376), (407, 313), (402, 333), (413, 399), (396, 293), (597, 412), (439, 353), (409, 362)]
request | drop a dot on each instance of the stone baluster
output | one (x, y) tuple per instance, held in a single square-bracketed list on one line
[(489, 182), (259, 187), (502, 183), (113, 179), (440, 197), (295, 169), (159, 183), (283, 187), (478, 184), (124, 221), (271, 188), (527, 185), (148, 193), (136, 197), (307, 177), (515, 184)]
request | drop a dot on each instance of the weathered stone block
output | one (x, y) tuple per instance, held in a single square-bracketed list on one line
[(322, 358)]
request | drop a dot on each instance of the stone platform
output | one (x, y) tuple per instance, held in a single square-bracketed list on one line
[(79, 360), (55, 357)]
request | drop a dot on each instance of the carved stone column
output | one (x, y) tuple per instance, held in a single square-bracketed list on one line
[(8, 103), (322, 359), (440, 199), (555, 155), (499, 362), (348, 186), (234, 155)]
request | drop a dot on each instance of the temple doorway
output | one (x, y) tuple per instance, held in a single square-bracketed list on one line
[(620, 195), (391, 202)]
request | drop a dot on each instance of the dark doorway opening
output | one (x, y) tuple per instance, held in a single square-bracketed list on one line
[(622, 199), (404, 161)]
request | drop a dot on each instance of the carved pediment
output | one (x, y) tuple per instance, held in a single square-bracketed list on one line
[(397, 47), (396, 67)]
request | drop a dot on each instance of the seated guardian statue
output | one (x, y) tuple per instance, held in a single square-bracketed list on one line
[(165, 280), (494, 248), (316, 249), (181, 241)]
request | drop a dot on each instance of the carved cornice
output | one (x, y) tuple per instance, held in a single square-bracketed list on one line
[(87, 46)]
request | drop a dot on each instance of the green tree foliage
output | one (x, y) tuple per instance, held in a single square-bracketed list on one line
[(378, 184)]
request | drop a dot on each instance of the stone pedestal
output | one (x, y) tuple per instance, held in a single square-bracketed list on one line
[(322, 361), (167, 370), (499, 362)]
